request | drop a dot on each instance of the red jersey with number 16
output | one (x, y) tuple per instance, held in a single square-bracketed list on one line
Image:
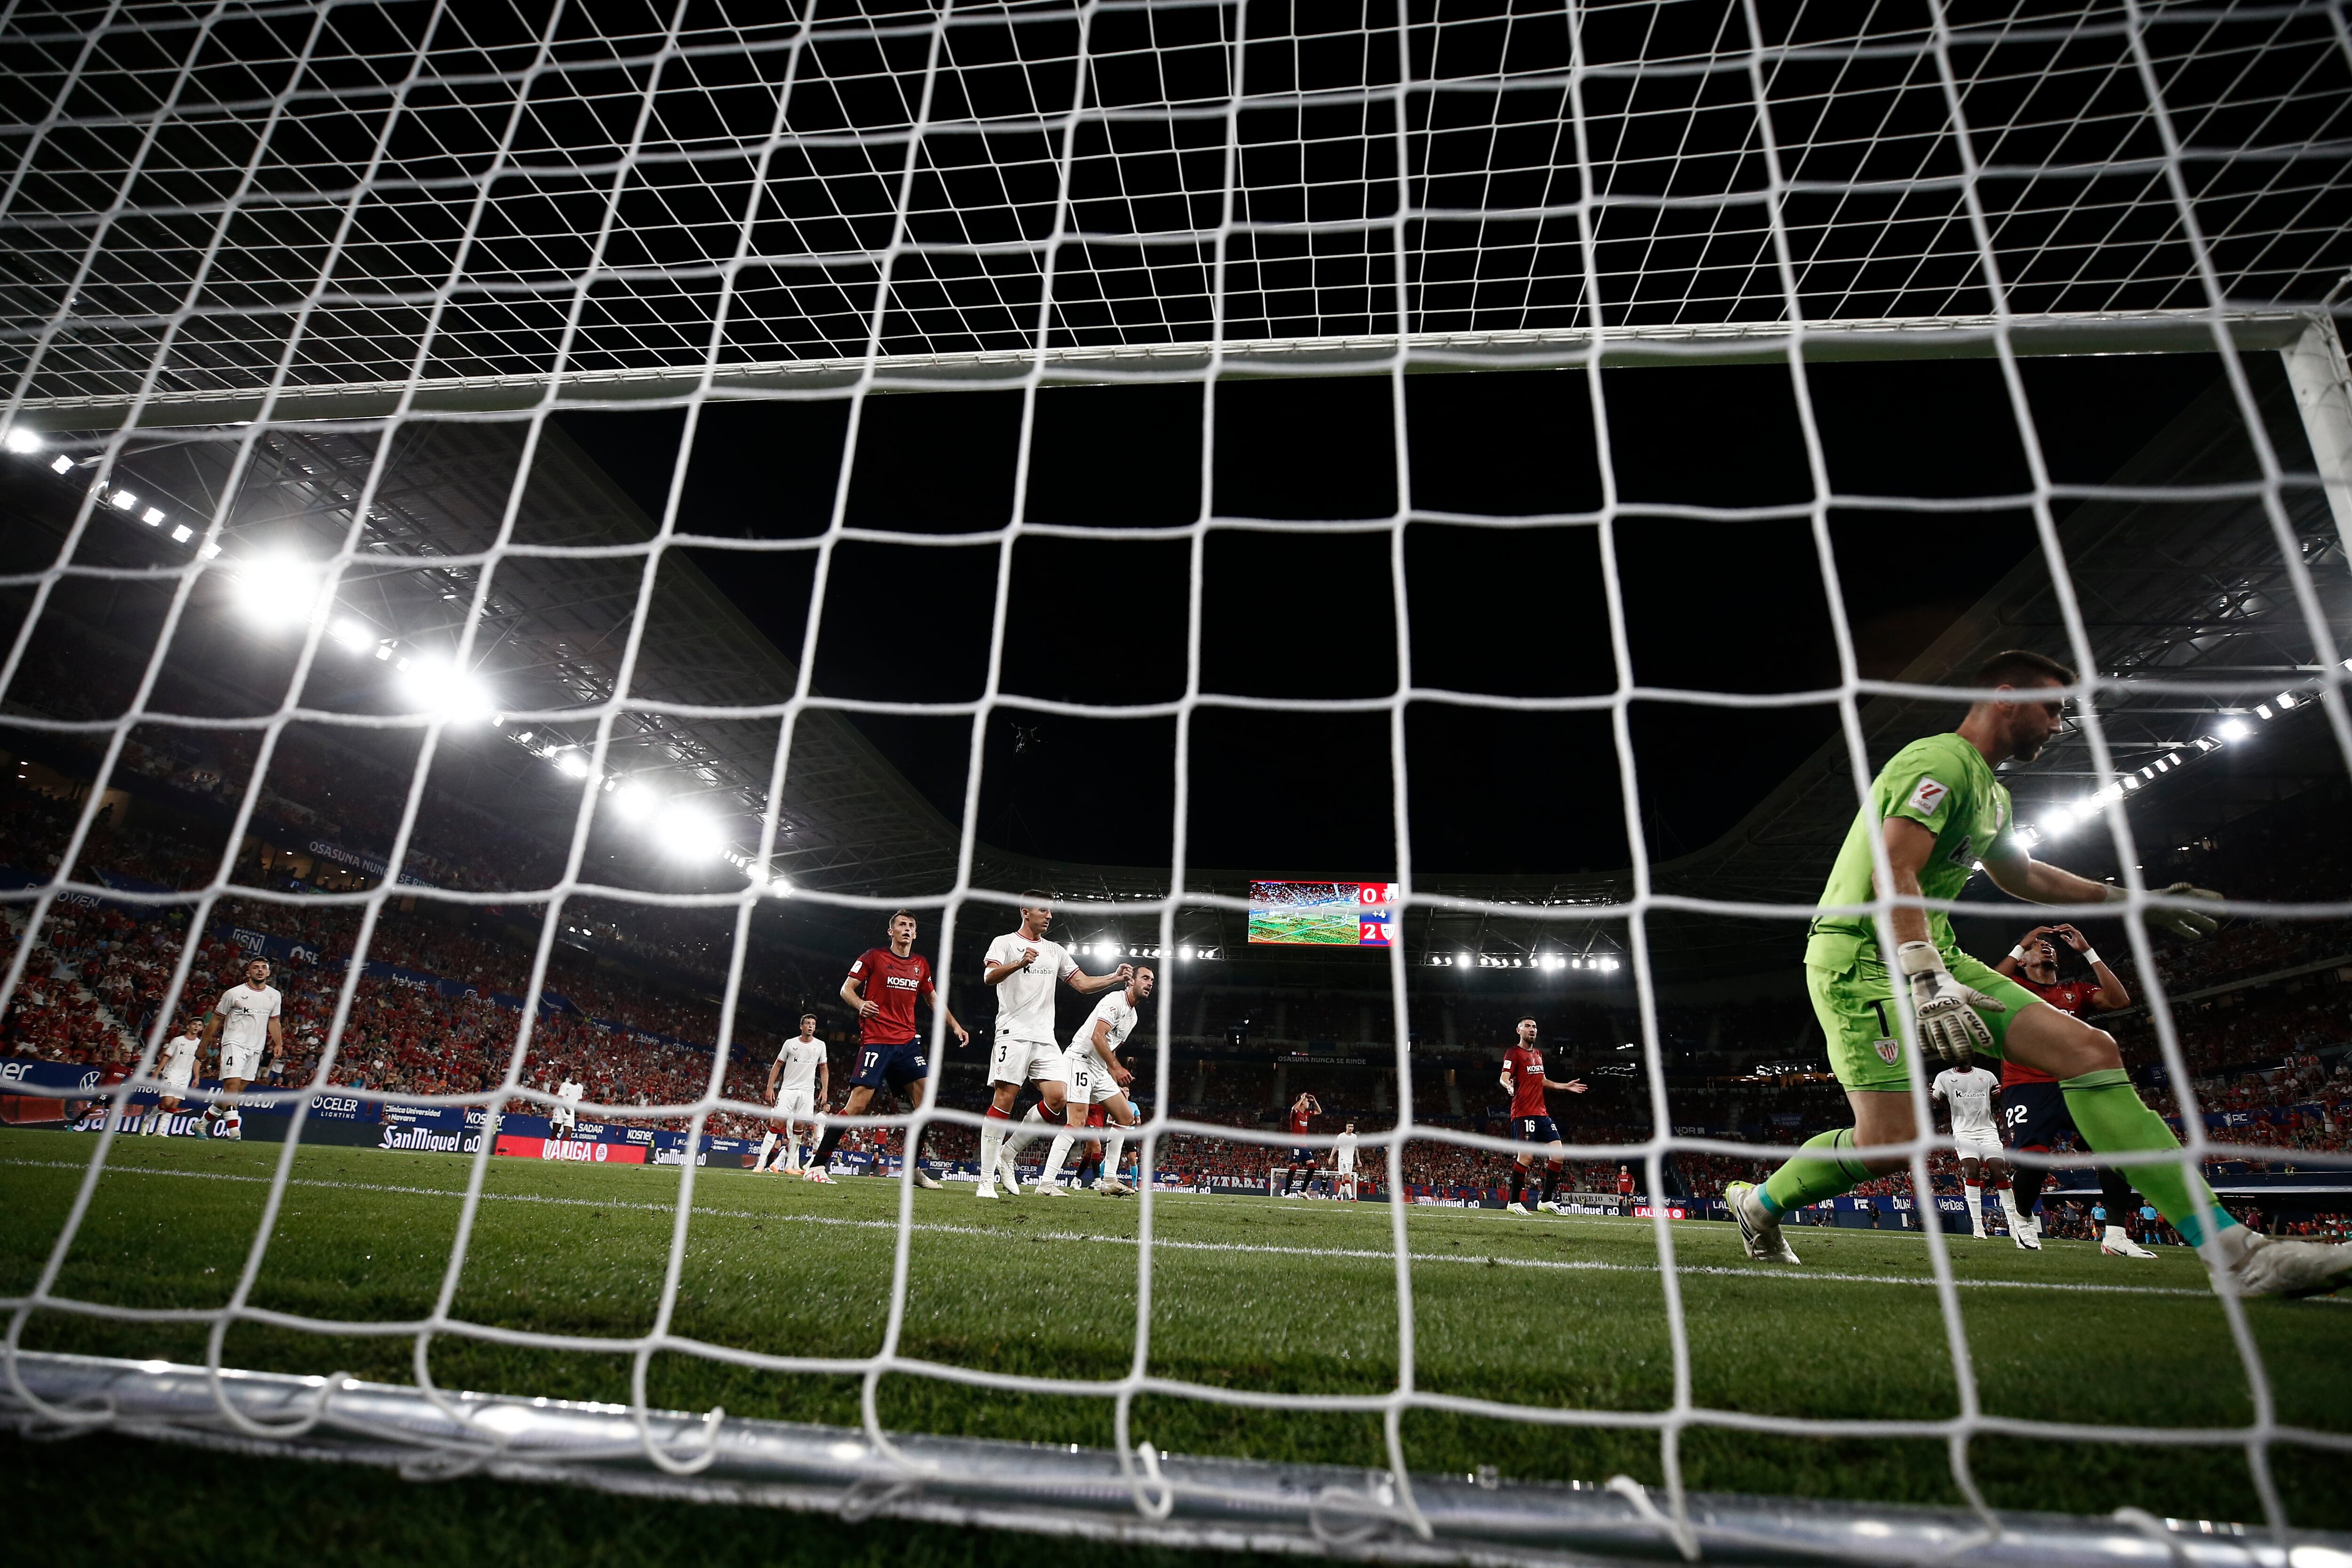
[(2068, 996), (1526, 1068), (895, 984)]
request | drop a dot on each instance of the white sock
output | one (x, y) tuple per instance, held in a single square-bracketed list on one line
[(767, 1146), (1976, 1206), (2116, 1233), (992, 1144), (1114, 1151), (1054, 1161), (1020, 1137), (2009, 1207)]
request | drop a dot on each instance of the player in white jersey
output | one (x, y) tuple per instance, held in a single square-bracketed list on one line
[(566, 1111), (1093, 1075), (1343, 1163), (1968, 1092), (799, 1081), (1024, 967), (181, 1054), (245, 1022)]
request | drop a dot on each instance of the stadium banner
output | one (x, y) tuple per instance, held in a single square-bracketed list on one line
[(580, 1151), (375, 866), (55, 1081)]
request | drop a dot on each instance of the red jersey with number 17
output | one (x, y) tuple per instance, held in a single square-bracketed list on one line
[(895, 984), (1526, 1068), (2068, 996)]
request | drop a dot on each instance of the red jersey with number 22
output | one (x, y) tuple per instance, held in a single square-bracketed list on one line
[(1526, 1068), (2070, 996), (893, 985)]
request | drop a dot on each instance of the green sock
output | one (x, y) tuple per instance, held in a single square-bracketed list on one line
[(1808, 1179), (2114, 1120)]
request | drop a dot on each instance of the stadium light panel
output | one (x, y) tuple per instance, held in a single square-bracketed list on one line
[(384, 650), (352, 635), (61, 464), (122, 500), (1184, 952), (439, 688), (2234, 728), (183, 533), (151, 516), (2287, 699), (1463, 959), (633, 802), (275, 591), (2264, 710), (686, 832), (21, 441)]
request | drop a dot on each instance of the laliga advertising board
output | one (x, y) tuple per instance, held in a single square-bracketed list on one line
[(587, 1152)]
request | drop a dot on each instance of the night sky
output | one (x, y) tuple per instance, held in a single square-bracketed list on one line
[(1732, 604)]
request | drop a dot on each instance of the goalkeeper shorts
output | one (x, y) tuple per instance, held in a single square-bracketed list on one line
[(1856, 1009)]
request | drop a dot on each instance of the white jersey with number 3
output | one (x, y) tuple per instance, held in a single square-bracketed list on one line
[(1969, 1091), (1025, 998)]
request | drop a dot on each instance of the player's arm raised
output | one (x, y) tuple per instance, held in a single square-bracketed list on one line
[(2017, 873), (1087, 985), (2013, 960), (2112, 992)]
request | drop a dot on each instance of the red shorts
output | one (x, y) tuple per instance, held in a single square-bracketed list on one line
[(1098, 1116)]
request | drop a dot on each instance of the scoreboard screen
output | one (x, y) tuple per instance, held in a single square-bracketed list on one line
[(1320, 914)]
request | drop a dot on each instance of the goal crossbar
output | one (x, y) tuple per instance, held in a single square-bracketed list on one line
[(1885, 337), (1063, 1489)]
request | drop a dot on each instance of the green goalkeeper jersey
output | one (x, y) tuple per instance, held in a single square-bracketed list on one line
[(1943, 784)]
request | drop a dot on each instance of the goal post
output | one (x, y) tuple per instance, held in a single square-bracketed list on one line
[(226, 299)]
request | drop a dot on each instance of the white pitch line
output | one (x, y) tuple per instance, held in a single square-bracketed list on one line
[(1576, 1265)]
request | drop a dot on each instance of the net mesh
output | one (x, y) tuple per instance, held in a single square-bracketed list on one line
[(214, 203)]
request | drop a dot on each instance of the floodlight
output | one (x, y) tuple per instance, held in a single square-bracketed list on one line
[(2233, 729), (1463, 959), (1184, 952), (634, 803), (571, 764), (438, 687), (183, 533), (2287, 699), (686, 832), (2264, 708), (61, 464), (384, 650), (151, 516), (526, 736), (352, 635), (274, 590), (122, 500), (20, 439)]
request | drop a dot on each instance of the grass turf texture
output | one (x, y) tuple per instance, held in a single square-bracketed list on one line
[(1248, 1293)]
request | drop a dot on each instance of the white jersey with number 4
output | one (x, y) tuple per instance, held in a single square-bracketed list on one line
[(1969, 1091), (801, 1058), (1025, 998)]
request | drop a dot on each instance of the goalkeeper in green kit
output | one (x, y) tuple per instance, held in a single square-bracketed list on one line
[(1938, 809)]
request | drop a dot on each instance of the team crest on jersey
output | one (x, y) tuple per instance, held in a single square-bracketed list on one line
[(1889, 1051), (1925, 796)]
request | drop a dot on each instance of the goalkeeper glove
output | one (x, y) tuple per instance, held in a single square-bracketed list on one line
[(1945, 1010), (2186, 923)]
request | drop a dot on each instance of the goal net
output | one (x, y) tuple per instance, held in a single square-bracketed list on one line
[(550, 527)]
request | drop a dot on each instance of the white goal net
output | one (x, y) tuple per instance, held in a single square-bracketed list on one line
[(708, 424)]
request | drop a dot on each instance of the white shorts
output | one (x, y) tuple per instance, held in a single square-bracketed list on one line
[(1979, 1145), (1088, 1084), (561, 1116), (796, 1104), (1016, 1060), (241, 1062), (175, 1083)]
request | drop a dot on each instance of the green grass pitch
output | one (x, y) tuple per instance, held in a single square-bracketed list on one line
[(1285, 1296)]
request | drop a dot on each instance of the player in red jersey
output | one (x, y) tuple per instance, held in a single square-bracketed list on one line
[(1531, 1124), (887, 985), (1303, 1113), (2033, 1108)]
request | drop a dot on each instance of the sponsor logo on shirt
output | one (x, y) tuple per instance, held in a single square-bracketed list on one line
[(1925, 796)]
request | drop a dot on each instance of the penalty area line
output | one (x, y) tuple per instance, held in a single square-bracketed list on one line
[(1561, 1265)]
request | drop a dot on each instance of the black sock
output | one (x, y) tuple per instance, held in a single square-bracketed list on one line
[(2026, 1180), (825, 1147), (2115, 1191), (1519, 1181), (1550, 1182)]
